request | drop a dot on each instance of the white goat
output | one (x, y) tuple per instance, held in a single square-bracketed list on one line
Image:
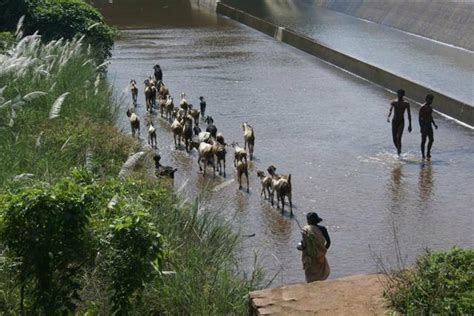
[(249, 138), (206, 153), (177, 129)]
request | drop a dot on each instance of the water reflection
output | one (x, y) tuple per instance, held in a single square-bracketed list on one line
[(151, 13), (425, 182), (396, 188)]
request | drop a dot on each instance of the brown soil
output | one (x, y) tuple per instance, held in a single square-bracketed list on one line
[(354, 295)]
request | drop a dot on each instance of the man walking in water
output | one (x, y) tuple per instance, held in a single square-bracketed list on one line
[(398, 122), (314, 247), (425, 118), (158, 73), (202, 104)]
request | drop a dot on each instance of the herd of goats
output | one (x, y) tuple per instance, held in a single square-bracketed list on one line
[(210, 144)]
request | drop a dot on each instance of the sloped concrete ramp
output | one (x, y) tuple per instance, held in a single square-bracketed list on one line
[(354, 295)]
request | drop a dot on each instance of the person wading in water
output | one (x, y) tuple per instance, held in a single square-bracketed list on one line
[(425, 118), (158, 73), (203, 106), (314, 246), (398, 121)]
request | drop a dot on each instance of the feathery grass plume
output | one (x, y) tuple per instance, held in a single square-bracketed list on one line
[(96, 84), (104, 64), (19, 27), (113, 201), (6, 104), (33, 95), (89, 163), (92, 26), (23, 176), (56, 108), (38, 139), (52, 87), (87, 62), (65, 143), (130, 164)]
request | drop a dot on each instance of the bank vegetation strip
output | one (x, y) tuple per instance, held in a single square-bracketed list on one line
[(74, 237)]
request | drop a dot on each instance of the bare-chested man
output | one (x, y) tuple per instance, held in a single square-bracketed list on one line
[(425, 119), (398, 122)]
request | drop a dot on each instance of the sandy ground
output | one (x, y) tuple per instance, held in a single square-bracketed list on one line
[(354, 295)]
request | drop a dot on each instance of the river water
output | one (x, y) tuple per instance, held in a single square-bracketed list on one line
[(443, 68), (323, 125)]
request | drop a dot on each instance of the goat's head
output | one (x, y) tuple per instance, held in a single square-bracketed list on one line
[(260, 174), (271, 169), (209, 120)]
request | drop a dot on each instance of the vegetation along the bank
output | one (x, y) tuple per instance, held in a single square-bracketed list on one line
[(75, 237), (55, 19), (440, 283)]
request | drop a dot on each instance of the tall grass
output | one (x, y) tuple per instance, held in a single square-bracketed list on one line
[(200, 273), (55, 108), (56, 113)]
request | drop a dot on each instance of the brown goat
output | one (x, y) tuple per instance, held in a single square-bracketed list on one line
[(266, 184)]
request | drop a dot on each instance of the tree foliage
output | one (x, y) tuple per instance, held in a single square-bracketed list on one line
[(44, 230), (53, 234), (56, 19)]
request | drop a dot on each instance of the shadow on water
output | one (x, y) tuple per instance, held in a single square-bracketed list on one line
[(425, 183), (127, 14)]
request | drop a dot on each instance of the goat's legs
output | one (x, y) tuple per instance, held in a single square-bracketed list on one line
[(224, 167), (291, 204), (247, 176), (282, 199)]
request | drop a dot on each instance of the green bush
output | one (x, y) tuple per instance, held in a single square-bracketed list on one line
[(55, 19), (7, 39), (440, 283), (44, 233), (54, 235)]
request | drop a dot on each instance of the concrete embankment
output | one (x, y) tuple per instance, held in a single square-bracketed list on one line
[(354, 295), (444, 104), (448, 21)]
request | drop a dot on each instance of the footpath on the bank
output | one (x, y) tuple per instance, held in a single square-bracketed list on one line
[(353, 295)]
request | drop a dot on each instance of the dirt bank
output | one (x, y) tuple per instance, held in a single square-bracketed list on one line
[(354, 295)]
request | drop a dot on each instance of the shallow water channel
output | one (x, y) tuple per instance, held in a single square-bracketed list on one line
[(324, 126)]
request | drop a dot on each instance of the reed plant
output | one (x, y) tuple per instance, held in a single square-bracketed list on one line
[(56, 113)]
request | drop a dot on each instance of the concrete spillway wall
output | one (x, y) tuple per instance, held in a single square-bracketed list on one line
[(448, 21), (415, 91)]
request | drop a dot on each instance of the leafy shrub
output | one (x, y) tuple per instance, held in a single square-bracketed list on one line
[(55, 19), (135, 248), (44, 230), (6, 40), (54, 235), (440, 283)]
